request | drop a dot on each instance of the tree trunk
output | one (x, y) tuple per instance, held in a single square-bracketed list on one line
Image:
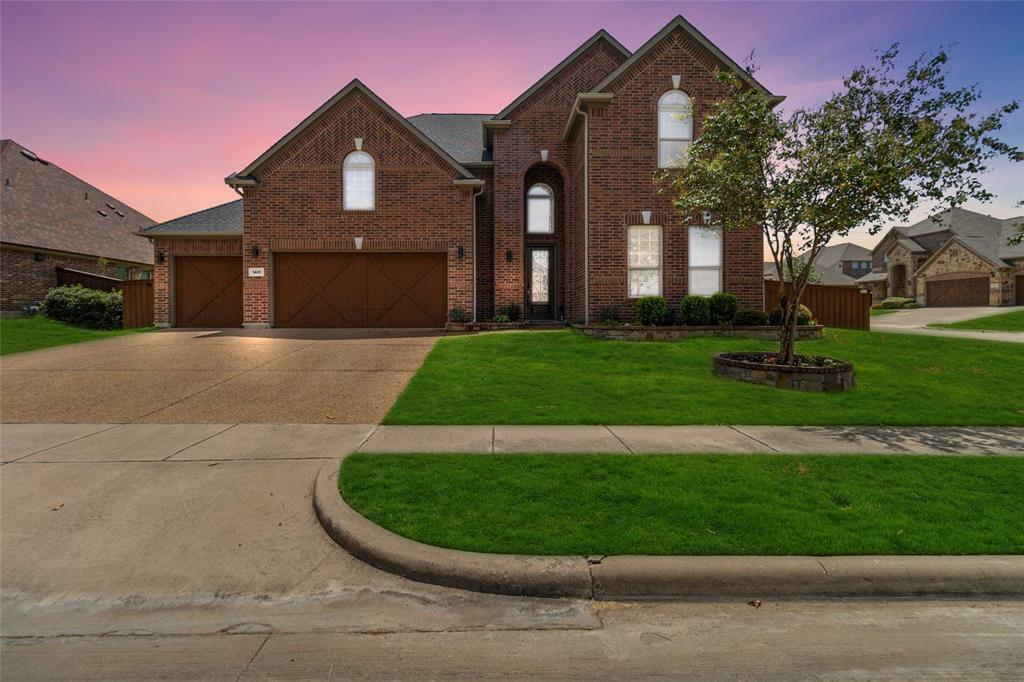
[(787, 335)]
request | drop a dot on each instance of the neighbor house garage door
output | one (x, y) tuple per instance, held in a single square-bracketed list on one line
[(360, 289), (957, 292), (208, 291)]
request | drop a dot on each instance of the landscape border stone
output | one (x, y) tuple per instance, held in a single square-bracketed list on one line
[(676, 332), (661, 577)]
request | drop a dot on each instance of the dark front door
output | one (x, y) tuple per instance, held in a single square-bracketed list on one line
[(540, 282)]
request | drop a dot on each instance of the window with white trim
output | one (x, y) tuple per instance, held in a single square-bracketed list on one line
[(358, 182), (705, 275), (675, 129), (540, 213), (644, 261)]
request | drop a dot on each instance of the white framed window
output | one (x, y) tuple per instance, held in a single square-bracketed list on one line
[(705, 276), (358, 182), (675, 129), (644, 261), (540, 210)]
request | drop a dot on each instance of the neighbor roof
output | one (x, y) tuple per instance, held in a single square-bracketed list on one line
[(457, 134), (43, 206), (245, 176), (985, 235), (546, 78), (681, 23), (837, 253), (220, 221)]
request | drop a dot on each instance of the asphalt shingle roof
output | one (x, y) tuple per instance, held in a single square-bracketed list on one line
[(461, 135), (983, 233), (225, 219), (44, 206)]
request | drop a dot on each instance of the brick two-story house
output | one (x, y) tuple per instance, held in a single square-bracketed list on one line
[(359, 217)]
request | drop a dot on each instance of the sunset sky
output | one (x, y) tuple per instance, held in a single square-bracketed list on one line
[(156, 103)]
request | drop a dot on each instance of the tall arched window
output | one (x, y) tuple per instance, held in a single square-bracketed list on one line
[(358, 184), (675, 129), (540, 210)]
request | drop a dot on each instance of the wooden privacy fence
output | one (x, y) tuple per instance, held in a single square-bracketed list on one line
[(67, 277), (138, 303), (846, 307)]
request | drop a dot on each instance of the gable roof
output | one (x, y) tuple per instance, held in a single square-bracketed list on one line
[(224, 220), (245, 176), (546, 78), (835, 254), (457, 134), (700, 38), (983, 234), (45, 207)]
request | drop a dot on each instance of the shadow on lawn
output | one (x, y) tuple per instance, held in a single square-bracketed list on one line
[(946, 439)]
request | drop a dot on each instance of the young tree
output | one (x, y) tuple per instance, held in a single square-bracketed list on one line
[(799, 265), (868, 155)]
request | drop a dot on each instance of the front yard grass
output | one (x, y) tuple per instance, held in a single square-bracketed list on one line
[(1005, 322), (694, 504), (32, 333), (566, 378)]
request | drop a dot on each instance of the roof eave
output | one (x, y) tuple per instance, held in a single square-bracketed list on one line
[(584, 99), (185, 234)]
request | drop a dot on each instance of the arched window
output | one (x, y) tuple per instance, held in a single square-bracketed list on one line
[(358, 183), (540, 210), (675, 129)]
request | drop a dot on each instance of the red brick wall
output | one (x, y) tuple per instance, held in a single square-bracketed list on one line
[(623, 161), (300, 198), (163, 298), (485, 246), (537, 124), (25, 281)]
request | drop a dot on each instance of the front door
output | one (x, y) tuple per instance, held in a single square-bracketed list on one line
[(540, 282)]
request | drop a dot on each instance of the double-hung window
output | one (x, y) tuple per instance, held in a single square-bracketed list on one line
[(705, 275), (358, 182), (675, 129), (644, 261)]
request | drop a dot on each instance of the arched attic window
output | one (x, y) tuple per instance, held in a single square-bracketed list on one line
[(540, 209), (358, 182), (675, 129)]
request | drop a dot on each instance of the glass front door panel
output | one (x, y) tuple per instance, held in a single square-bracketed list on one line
[(539, 275)]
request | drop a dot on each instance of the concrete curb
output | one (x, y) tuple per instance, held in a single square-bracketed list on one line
[(661, 577)]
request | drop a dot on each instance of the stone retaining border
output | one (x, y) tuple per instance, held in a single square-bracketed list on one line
[(661, 577), (674, 333)]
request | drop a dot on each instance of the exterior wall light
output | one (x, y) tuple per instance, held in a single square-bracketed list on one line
[(160, 257), (462, 251), (509, 255), (255, 251)]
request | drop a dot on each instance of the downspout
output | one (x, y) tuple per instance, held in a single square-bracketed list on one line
[(586, 214), (476, 195)]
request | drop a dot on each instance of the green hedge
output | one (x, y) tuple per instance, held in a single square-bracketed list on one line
[(84, 307)]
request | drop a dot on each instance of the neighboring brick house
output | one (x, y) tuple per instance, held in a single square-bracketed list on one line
[(50, 220), (360, 217), (955, 258), (838, 265)]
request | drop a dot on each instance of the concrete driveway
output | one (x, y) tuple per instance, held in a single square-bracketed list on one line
[(221, 376), (915, 321)]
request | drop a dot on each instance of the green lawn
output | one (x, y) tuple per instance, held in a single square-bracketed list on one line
[(567, 378), (31, 333), (875, 312), (694, 504), (1003, 322)]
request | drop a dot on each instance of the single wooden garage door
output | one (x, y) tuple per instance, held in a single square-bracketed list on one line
[(958, 292), (208, 291), (360, 289), (1019, 284)]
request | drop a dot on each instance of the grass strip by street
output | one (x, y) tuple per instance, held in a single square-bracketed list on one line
[(875, 312), (21, 334), (567, 378), (820, 505), (1004, 322)]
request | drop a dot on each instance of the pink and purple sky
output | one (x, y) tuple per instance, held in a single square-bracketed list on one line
[(156, 103)]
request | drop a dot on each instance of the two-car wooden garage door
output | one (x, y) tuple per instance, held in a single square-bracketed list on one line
[(360, 289)]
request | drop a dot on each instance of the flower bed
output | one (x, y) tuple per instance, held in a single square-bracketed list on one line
[(630, 333), (810, 373)]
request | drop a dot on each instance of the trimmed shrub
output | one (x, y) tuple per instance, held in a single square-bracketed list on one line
[(722, 307), (458, 316), (750, 318), (502, 318), (84, 307), (695, 311), (512, 312), (610, 315), (898, 303), (805, 316), (651, 310)]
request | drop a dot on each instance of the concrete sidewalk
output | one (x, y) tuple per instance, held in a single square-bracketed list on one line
[(30, 443)]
